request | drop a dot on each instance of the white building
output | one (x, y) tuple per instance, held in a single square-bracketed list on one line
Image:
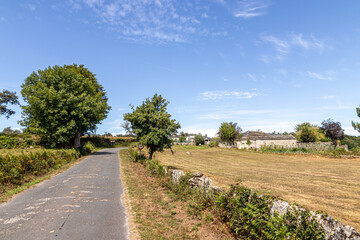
[(257, 139)]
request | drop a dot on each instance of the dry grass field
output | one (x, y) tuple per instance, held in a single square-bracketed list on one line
[(317, 183)]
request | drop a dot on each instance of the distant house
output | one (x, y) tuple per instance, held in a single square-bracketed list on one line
[(257, 139)]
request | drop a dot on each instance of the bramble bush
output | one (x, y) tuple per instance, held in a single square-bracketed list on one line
[(14, 167)]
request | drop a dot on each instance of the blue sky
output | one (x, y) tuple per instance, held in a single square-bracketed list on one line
[(266, 65)]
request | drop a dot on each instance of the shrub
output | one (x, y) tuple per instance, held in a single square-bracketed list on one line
[(213, 144), (14, 167), (8, 142)]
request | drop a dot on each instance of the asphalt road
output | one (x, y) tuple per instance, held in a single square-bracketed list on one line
[(83, 202)]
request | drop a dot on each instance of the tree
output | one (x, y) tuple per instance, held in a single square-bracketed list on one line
[(332, 130), (152, 124), (63, 103), (199, 139), (127, 126), (229, 132), (356, 126), (7, 97), (9, 131), (306, 132), (182, 137)]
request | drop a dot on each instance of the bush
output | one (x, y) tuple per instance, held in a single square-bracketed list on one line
[(213, 144), (14, 167), (8, 142), (199, 139)]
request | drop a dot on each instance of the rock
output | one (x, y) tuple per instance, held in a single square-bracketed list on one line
[(217, 190), (335, 229), (198, 174), (176, 175), (188, 153), (201, 182), (280, 207)]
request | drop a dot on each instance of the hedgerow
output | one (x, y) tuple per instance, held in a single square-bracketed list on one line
[(14, 167)]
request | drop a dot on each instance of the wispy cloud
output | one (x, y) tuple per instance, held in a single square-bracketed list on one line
[(283, 46), (217, 95), (250, 9), (320, 76), (252, 77), (160, 20), (329, 97)]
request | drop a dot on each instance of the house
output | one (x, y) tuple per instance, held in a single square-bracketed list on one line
[(257, 139)]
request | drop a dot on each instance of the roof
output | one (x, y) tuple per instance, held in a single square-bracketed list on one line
[(257, 135)]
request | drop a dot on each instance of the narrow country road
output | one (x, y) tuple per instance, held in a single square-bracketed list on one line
[(83, 202)]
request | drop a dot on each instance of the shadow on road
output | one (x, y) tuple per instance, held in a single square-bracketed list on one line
[(103, 153)]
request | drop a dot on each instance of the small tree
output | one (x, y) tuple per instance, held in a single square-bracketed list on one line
[(355, 124), (152, 124), (7, 97), (182, 137), (229, 132), (332, 130), (306, 132), (63, 103), (199, 139)]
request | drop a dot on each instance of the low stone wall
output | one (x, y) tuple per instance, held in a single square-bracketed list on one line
[(334, 230), (321, 146)]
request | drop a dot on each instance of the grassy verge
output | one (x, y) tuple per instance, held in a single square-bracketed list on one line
[(315, 182), (9, 190), (158, 213)]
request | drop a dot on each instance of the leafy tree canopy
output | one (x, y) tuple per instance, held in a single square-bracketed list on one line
[(152, 124), (199, 139), (356, 125), (229, 132), (63, 103), (7, 97), (306, 132), (332, 130)]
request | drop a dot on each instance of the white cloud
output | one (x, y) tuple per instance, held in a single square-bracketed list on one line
[(320, 76), (281, 46), (217, 95), (329, 97), (293, 41), (151, 20), (252, 77), (249, 9)]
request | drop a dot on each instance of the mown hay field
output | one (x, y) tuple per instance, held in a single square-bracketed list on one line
[(317, 183)]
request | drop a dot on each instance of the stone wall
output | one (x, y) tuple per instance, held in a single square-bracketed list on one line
[(321, 146), (257, 144), (334, 230)]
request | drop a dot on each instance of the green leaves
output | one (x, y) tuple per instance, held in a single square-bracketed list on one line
[(62, 101), (152, 124), (356, 125), (7, 97), (229, 132)]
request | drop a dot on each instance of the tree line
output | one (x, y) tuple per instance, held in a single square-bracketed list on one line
[(62, 103)]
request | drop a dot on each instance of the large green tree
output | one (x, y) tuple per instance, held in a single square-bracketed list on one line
[(152, 124), (229, 132), (306, 132), (7, 97), (63, 103), (356, 125)]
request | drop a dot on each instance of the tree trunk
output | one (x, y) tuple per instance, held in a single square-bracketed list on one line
[(150, 154), (77, 140)]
